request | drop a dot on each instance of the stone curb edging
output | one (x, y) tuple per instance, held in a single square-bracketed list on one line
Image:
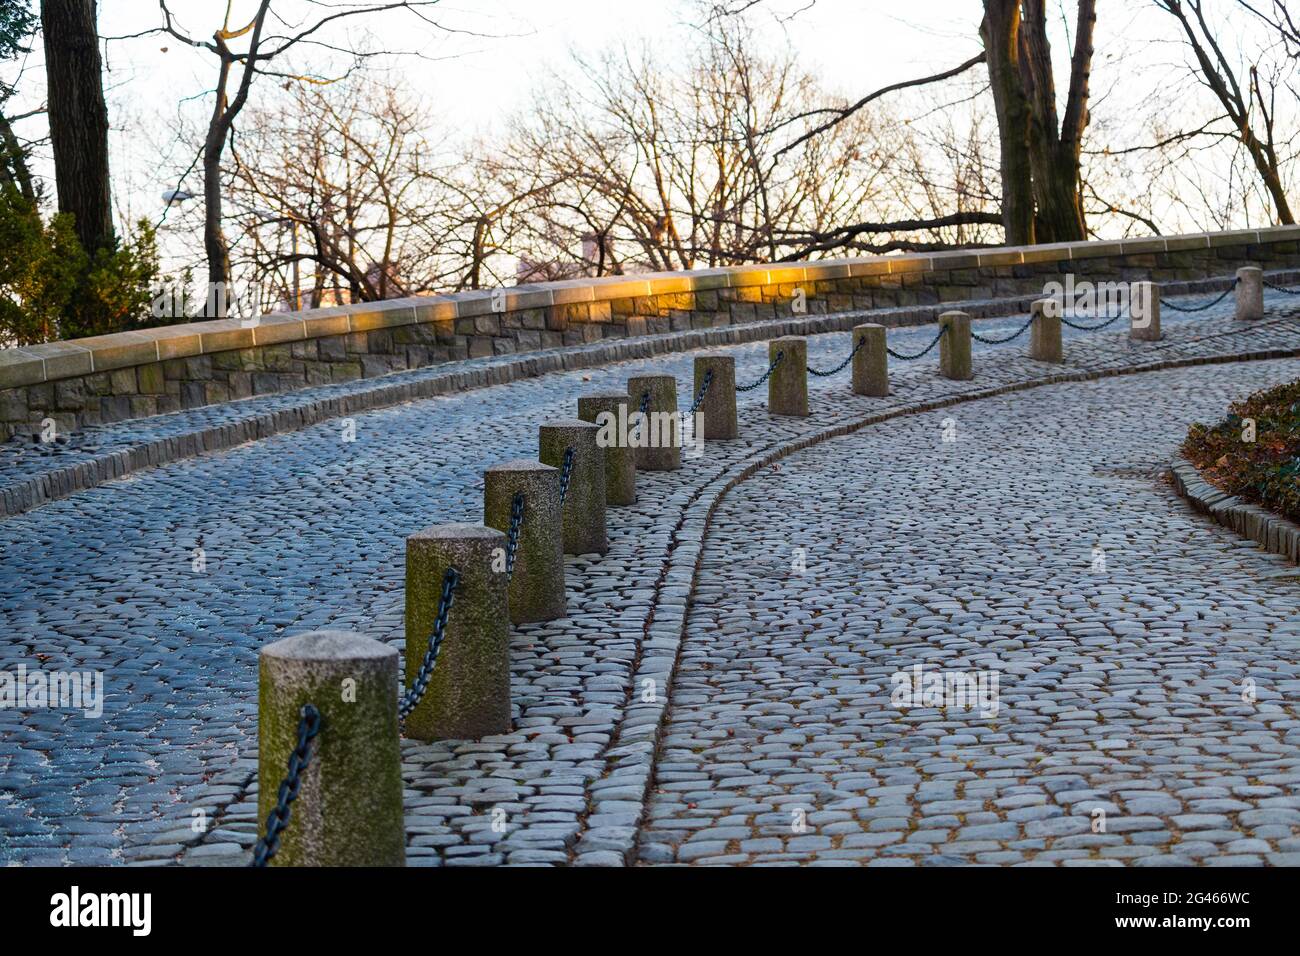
[(1268, 529), (630, 756), (30, 493)]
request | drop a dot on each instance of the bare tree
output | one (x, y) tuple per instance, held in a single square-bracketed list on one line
[(265, 39)]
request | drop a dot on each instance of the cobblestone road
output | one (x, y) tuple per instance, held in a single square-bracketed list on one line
[(303, 531), (1121, 670)]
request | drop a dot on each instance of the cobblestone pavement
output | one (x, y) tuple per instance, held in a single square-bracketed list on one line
[(303, 531), (1120, 671)]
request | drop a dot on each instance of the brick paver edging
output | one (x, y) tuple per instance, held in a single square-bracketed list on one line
[(1271, 531), (631, 754), (387, 391)]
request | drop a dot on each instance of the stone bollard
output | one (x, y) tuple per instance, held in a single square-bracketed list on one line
[(954, 347), (620, 458), (1250, 293), (349, 808), (1144, 312), (1045, 331), (469, 692), (658, 441), (719, 405), (537, 587), (787, 386), (583, 508), (871, 363)]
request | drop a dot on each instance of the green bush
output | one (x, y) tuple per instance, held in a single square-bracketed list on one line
[(51, 289), (1266, 470)]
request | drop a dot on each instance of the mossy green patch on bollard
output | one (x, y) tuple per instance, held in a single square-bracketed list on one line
[(719, 406), (349, 807), (537, 587), (658, 439), (468, 696), (954, 347), (787, 386), (1144, 312), (583, 508), (1045, 331), (620, 457), (1250, 293), (871, 362)]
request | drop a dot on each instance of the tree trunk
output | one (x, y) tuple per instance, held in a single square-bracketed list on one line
[(78, 118), (1055, 147), (999, 31)]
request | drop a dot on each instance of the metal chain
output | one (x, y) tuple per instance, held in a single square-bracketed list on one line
[(843, 365), (645, 407), (278, 818), (1092, 328), (421, 682), (512, 536), (1199, 308), (566, 473), (699, 399), (907, 358), (770, 369), (1014, 335), (1281, 288)]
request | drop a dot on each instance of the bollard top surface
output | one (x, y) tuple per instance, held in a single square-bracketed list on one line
[(790, 338), (717, 357), (944, 315), (1249, 269), (651, 377), (519, 464), (457, 531), (605, 396), (576, 424), (868, 325), (328, 646)]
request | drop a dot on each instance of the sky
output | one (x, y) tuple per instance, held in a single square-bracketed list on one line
[(489, 56)]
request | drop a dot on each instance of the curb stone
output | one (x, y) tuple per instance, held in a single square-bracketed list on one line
[(1270, 531)]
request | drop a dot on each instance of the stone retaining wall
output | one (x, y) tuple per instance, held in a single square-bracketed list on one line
[(138, 374)]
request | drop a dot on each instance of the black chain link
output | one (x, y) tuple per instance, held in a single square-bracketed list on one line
[(512, 536), (1200, 308), (1281, 288), (278, 818), (770, 369), (925, 351), (566, 473), (843, 365), (645, 407), (1092, 328), (699, 399), (421, 682), (994, 341)]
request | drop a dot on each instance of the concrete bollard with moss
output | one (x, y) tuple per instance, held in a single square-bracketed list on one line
[(719, 406), (468, 695), (583, 507), (1144, 312), (619, 456), (349, 807), (787, 386), (1045, 331), (954, 346), (658, 442), (871, 362), (1250, 293), (537, 585)]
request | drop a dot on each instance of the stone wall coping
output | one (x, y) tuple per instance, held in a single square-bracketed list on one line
[(52, 361)]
